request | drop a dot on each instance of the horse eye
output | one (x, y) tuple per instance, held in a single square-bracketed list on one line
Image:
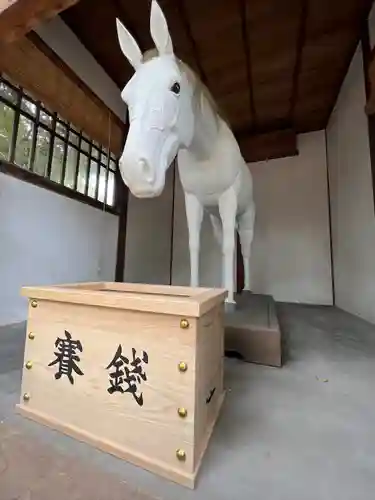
[(176, 88)]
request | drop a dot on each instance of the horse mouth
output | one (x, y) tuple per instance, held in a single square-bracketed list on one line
[(146, 193)]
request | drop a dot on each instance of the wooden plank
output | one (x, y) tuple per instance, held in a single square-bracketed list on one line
[(369, 76), (18, 17), (299, 48), (222, 46), (274, 58), (209, 370), (121, 199), (212, 33), (146, 288), (105, 48), (136, 297), (267, 146), (332, 35), (80, 434), (243, 7), (34, 66), (370, 104)]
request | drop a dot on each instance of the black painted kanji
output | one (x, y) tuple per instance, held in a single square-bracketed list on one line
[(127, 374), (66, 357)]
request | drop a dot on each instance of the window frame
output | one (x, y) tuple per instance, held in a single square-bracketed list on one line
[(96, 156)]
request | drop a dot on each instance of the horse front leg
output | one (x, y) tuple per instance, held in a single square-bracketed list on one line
[(228, 210), (194, 216)]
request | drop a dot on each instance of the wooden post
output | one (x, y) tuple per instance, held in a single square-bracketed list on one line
[(122, 193)]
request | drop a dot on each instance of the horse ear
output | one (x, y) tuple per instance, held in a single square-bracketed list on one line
[(159, 30), (128, 45)]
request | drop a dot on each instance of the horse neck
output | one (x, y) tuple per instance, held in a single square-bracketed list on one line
[(206, 127)]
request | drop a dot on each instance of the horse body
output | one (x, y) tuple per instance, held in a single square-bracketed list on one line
[(208, 178), (220, 184), (172, 114)]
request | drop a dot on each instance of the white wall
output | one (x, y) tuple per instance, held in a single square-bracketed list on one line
[(291, 256), (148, 237), (291, 251), (353, 217), (47, 238)]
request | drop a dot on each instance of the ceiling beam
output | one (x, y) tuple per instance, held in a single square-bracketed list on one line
[(119, 9), (18, 17), (299, 49), (245, 40), (358, 28), (269, 145), (370, 83), (369, 67), (185, 21)]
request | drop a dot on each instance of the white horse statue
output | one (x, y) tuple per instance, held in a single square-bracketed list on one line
[(172, 114)]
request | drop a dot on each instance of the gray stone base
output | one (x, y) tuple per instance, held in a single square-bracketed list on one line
[(252, 330)]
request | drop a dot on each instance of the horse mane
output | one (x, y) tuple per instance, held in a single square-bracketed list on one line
[(200, 89)]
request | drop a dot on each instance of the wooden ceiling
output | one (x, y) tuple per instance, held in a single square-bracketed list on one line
[(271, 64)]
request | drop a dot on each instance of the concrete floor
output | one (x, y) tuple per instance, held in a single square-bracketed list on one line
[(302, 432)]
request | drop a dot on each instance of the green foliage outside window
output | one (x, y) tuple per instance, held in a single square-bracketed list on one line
[(34, 138)]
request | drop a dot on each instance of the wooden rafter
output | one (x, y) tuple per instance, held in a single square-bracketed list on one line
[(186, 23), (18, 17), (245, 38), (370, 82), (268, 146), (124, 18), (299, 48)]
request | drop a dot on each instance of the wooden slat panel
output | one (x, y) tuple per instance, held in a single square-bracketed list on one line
[(274, 29), (370, 105), (273, 40), (268, 146), (34, 66), (234, 110), (18, 17), (136, 18), (271, 105), (217, 30), (332, 32), (210, 35), (139, 19), (95, 24)]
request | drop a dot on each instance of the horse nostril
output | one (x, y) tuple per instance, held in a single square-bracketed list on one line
[(146, 169)]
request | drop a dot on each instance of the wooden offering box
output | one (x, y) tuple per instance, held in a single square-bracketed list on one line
[(135, 370)]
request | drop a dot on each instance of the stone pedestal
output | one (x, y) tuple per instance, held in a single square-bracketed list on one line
[(253, 330)]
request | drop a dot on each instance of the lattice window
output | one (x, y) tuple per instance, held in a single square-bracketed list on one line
[(39, 140)]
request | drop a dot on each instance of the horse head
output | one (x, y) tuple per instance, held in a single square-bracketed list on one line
[(159, 101)]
